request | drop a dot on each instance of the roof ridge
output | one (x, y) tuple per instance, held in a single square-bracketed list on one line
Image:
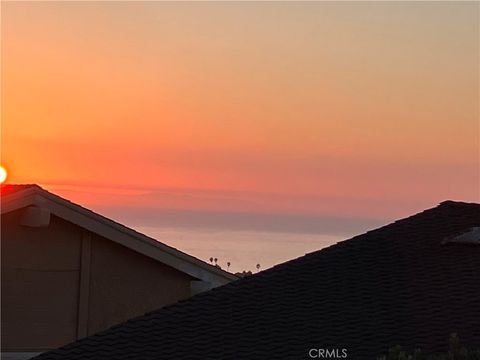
[(457, 202)]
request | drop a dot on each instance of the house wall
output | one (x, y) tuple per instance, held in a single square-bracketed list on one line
[(125, 284), (40, 274), (60, 283)]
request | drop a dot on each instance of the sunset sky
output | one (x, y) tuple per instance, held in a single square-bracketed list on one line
[(320, 119)]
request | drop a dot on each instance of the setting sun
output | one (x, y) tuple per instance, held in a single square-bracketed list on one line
[(3, 174)]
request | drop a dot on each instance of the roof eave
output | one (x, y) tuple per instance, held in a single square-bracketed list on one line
[(116, 232)]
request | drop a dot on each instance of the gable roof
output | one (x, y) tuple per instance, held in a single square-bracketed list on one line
[(394, 285), (14, 197)]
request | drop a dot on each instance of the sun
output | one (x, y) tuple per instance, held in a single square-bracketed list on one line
[(3, 174)]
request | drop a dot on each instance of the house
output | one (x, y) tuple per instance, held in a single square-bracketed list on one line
[(413, 283), (68, 272)]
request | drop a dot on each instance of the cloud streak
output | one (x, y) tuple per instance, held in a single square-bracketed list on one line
[(237, 221)]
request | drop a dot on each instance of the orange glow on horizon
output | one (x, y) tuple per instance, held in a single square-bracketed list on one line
[(315, 107)]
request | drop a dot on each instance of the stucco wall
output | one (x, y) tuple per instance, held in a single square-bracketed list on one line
[(125, 284), (42, 271)]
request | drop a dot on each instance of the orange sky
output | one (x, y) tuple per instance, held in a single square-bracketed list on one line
[(361, 110)]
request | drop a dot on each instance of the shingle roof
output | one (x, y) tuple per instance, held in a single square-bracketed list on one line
[(394, 285)]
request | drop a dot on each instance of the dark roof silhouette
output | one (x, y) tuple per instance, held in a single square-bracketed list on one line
[(395, 285)]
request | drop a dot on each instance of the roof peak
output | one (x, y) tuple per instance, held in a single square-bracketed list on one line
[(15, 197), (7, 189), (457, 202)]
